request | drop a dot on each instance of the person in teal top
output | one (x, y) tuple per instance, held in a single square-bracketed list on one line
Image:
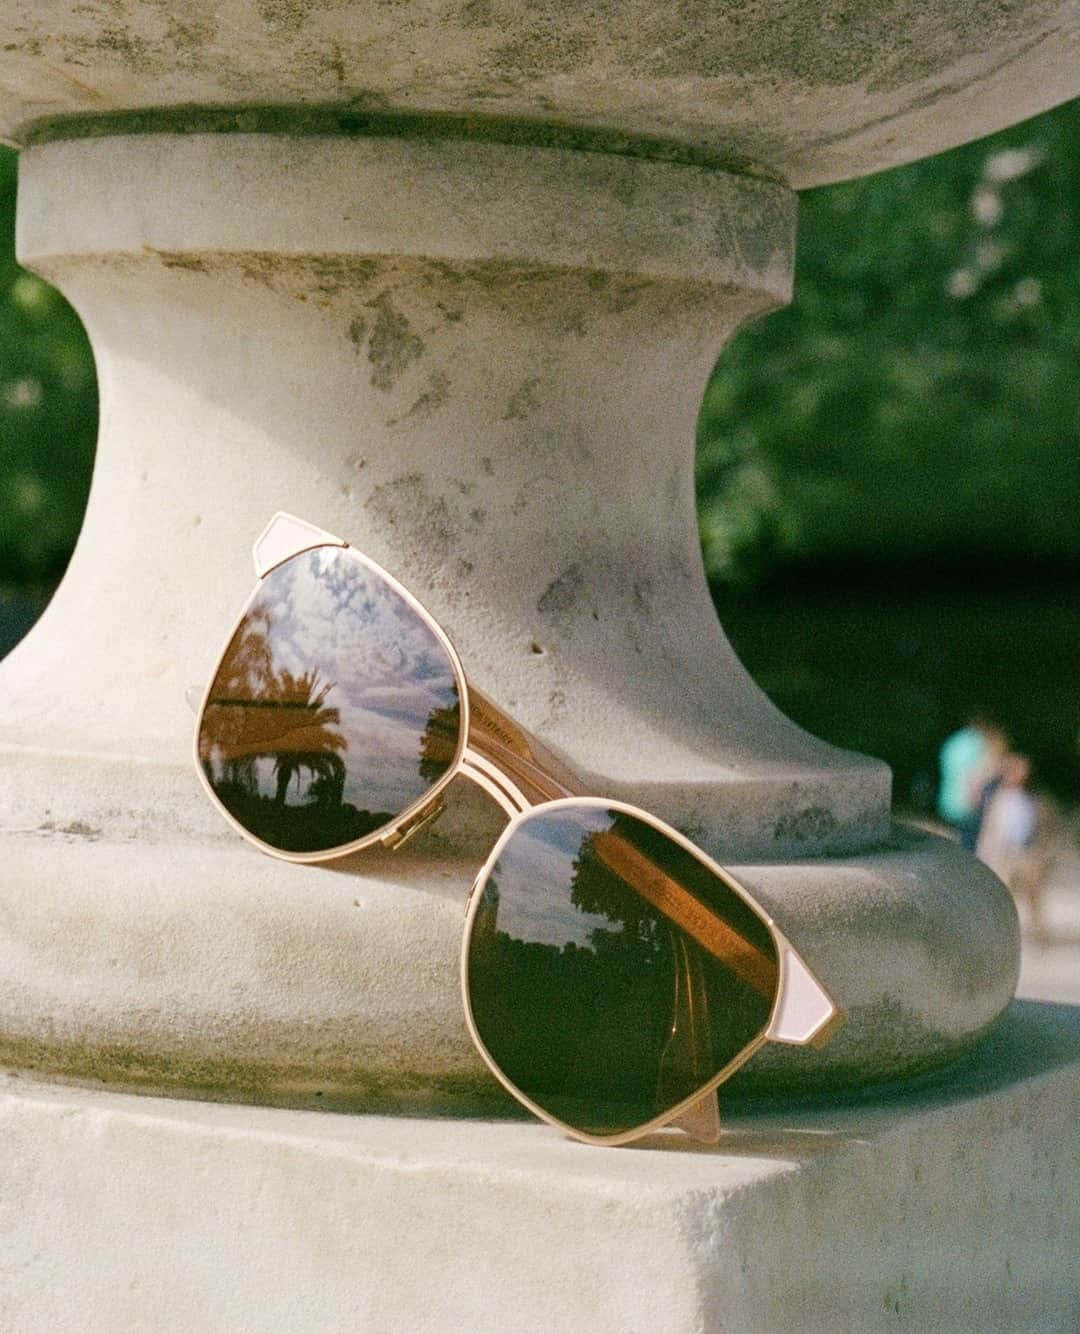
[(969, 759)]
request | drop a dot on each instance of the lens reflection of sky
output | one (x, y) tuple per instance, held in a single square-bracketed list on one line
[(540, 855), (388, 671)]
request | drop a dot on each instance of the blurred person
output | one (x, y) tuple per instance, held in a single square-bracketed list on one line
[(969, 761), (1016, 839)]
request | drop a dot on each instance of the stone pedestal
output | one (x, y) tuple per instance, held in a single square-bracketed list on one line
[(953, 1208)]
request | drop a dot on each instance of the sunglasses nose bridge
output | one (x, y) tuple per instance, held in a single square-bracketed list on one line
[(493, 780)]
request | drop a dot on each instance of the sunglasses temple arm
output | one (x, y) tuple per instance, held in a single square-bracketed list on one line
[(677, 903), (804, 1014), (499, 750)]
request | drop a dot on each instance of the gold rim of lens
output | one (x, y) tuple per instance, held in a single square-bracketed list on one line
[(426, 800), (673, 1113)]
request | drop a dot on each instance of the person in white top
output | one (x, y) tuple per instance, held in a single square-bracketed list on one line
[(1012, 840)]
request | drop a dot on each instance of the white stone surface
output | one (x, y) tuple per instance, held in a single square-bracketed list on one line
[(481, 367), (955, 1208), (808, 90), (483, 363)]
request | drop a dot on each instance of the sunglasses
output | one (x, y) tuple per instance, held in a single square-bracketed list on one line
[(613, 974)]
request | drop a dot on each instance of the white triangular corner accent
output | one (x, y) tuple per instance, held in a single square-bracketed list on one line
[(285, 536), (804, 1007)]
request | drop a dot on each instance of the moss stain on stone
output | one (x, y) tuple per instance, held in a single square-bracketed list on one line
[(73, 829), (409, 502), (522, 401), (174, 259), (393, 347), (370, 114), (281, 1082), (190, 36), (285, 16), (562, 593), (812, 823), (548, 49), (131, 51), (433, 397), (476, 14)]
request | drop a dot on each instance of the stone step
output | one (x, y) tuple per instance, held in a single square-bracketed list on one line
[(953, 1207)]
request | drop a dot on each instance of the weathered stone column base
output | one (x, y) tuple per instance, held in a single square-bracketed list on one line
[(953, 1208), (481, 362), (208, 970)]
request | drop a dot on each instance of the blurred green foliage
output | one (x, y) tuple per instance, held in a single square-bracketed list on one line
[(48, 414), (920, 399)]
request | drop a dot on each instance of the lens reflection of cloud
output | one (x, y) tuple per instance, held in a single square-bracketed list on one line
[(387, 670), (534, 873)]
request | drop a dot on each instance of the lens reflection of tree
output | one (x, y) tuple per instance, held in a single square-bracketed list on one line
[(258, 712), (738, 1010), (582, 1027), (318, 754), (438, 744)]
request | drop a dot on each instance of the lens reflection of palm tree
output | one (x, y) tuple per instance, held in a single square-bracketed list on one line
[(258, 711), (245, 676), (310, 741)]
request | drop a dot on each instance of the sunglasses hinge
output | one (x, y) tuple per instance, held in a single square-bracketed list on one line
[(396, 837)]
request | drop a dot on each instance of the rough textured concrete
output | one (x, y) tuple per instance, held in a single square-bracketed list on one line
[(808, 91), (953, 1208), (460, 308)]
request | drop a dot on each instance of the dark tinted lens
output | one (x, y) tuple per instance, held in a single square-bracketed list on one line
[(334, 709), (600, 1007)]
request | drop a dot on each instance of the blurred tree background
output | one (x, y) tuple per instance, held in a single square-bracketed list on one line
[(48, 424), (889, 469), (919, 400)]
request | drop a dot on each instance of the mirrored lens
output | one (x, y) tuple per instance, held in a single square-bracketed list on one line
[(610, 972), (334, 709)]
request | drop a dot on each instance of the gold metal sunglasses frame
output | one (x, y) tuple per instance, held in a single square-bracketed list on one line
[(520, 775)]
